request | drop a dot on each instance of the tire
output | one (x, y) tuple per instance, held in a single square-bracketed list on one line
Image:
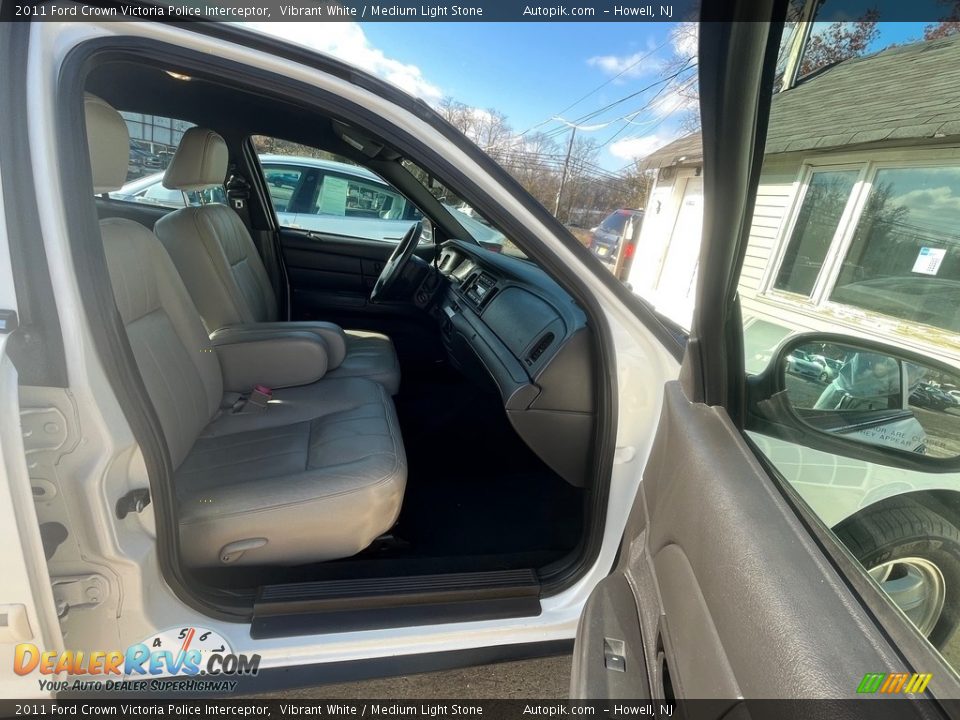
[(824, 377), (908, 544)]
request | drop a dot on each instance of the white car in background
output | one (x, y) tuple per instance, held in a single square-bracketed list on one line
[(329, 197)]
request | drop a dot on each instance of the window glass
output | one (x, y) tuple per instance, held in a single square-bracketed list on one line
[(904, 260), (325, 193), (153, 142), (473, 222), (823, 204), (615, 222), (864, 248), (282, 180)]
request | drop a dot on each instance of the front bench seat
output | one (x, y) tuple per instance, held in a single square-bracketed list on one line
[(317, 475), (225, 276)]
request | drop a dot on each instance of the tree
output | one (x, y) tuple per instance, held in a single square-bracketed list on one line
[(942, 29), (682, 91), (949, 23), (840, 41), (487, 128)]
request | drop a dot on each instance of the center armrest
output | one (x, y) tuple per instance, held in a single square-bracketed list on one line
[(252, 356), (330, 333)]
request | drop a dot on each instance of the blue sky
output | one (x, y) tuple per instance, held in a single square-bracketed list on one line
[(533, 71)]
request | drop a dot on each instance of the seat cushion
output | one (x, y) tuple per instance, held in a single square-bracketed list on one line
[(369, 355), (318, 475)]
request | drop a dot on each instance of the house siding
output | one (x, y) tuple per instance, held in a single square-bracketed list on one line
[(778, 182)]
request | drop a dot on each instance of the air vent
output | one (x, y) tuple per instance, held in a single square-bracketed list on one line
[(539, 348)]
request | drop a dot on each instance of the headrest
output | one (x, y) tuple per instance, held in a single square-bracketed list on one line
[(108, 142), (200, 161)]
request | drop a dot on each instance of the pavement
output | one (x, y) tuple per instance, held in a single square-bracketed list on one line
[(545, 678)]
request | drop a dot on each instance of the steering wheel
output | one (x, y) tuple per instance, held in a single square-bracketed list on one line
[(397, 262)]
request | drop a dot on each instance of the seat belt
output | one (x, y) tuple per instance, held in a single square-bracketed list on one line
[(238, 192), (255, 401)]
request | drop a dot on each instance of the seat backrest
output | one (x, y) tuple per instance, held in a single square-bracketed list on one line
[(210, 245), (179, 368)]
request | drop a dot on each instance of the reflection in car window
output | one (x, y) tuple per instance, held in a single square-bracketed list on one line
[(153, 142), (282, 180), (823, 204), (855, 233), (904, 259)]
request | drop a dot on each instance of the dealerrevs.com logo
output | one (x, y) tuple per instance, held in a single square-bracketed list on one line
[(169, 661)]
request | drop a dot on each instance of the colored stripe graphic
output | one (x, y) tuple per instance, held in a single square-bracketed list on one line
[(894, 683), (871, 682)]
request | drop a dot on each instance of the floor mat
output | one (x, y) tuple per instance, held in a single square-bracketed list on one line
[(474, 486)]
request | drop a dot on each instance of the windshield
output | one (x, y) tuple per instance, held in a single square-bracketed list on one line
[(615, 222), (473, 222)]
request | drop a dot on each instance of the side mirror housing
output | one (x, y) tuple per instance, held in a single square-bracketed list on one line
[(860, 399)]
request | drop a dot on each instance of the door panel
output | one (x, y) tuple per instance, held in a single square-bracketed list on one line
[(331, 278), (733, 596)]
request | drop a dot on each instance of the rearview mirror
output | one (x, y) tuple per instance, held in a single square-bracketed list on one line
[(877, 402)]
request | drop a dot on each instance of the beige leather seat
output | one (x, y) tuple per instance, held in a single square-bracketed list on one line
[(314, 474), (225, 276)]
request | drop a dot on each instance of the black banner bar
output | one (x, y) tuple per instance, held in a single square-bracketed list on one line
[(633, 11), (876, 708)]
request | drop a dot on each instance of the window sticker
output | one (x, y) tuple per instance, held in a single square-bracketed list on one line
[(929, 260)]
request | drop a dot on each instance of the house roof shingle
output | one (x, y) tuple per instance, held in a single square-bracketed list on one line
[(905, 92), (908, 92), (689, 147)]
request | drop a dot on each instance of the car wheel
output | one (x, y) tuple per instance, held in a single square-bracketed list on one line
[(824, 377), (914, 554)]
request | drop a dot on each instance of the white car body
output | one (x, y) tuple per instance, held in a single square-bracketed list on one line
[(150, 190)]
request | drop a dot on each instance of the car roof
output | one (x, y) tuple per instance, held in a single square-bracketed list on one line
[(346, 168)]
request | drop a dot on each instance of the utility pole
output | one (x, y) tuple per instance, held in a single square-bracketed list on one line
[(563, 176)]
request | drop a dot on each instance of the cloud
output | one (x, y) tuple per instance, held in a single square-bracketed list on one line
[(631, 66), (685, 39), (635, 148), (347, 41), (933, 209)]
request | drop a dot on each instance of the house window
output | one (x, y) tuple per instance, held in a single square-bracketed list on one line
[(898, 255), (904, 258), (813, 234)]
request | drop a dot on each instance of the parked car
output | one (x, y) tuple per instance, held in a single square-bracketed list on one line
[(931, 397), (605, 237), (150, 190), (802, 363), (831, 367), (369, 207)]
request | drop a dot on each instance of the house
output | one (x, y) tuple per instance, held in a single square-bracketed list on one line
[(665, 265), (857, 221)]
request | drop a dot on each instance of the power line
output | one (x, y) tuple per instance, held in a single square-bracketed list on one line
[(662, 81), (599, 87)]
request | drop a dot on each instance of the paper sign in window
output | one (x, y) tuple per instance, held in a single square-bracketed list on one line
[(333, 196), (929, 260)]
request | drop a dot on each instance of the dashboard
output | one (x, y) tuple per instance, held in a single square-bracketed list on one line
[(504, 320)]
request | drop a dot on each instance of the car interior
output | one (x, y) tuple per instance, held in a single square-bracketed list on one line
[(338, 408)]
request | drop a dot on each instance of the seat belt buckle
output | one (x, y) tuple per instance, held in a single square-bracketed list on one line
[(260, 396)]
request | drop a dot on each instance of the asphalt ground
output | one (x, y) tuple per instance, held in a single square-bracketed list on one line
[(546, 679)]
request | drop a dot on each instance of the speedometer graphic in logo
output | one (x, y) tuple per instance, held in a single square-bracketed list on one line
[(181, 651)]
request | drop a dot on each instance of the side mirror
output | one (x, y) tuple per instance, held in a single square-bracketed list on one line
[(860, 399)]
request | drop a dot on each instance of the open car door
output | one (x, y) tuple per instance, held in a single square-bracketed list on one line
[(27, 614), (726, 587)]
